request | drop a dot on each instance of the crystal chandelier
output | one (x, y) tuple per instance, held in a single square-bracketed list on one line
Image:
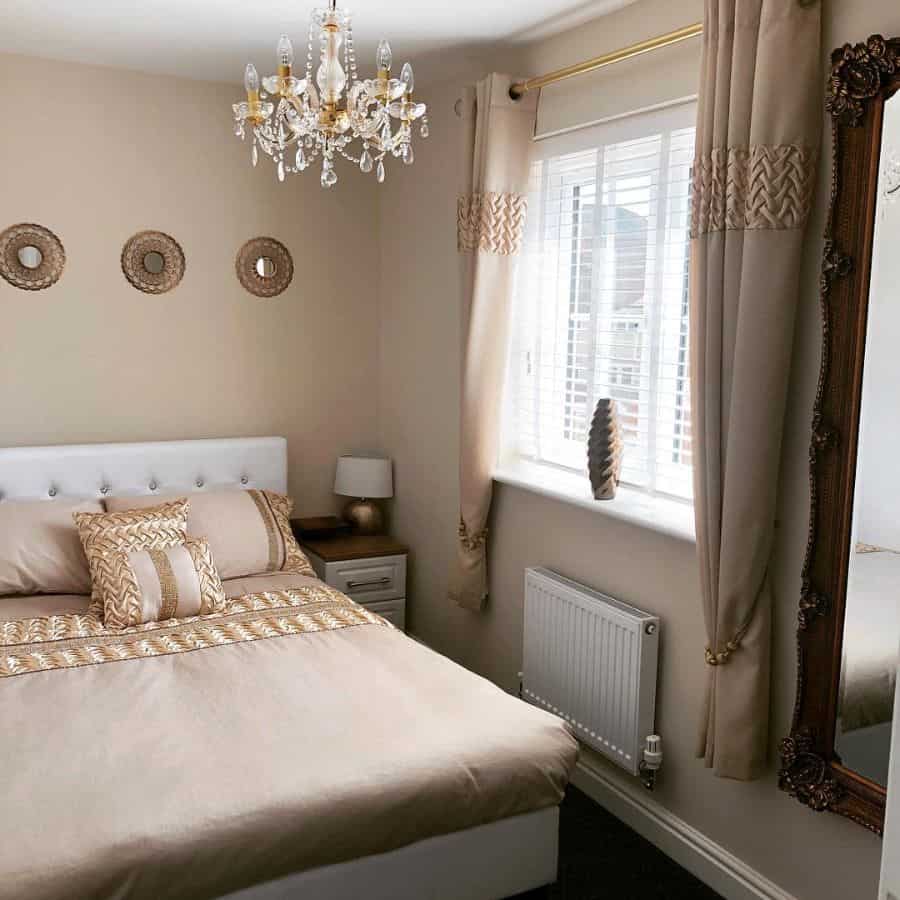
[(295, 124)]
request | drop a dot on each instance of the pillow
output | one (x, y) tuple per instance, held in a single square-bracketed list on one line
[(154, 528), (249, 532), (40, 552), (155, 585)]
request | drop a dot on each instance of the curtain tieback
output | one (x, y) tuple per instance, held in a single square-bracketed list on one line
[(721, 657), (471, 542)]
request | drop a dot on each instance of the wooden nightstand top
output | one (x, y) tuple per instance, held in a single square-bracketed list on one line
[(354, 546)]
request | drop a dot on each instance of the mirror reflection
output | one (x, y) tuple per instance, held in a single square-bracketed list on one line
[(872, 620), (265, 267), (30, 257), (154, 262)]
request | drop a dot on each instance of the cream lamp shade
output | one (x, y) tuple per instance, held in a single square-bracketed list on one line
[(364, 477)]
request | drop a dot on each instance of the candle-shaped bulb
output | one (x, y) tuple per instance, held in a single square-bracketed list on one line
[(406, 76), (285, 51), (383, 56), (251, 79)]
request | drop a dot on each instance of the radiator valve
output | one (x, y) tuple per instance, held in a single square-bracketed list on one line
[(652, 760)]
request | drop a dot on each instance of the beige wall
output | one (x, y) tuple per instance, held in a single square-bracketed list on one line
[(811, 855), (98, 154)]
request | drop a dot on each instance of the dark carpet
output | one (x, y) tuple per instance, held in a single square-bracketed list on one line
[(600, 858)]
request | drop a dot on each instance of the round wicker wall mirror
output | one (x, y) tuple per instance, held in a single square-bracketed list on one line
[(31, 257), (153, 262), (264, 267)]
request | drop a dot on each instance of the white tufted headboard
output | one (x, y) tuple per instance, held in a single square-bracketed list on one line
[(97, 470)]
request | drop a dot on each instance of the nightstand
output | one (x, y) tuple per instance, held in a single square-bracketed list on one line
[(370, 569)]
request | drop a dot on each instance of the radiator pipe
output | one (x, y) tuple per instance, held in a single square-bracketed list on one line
[(651, 762)]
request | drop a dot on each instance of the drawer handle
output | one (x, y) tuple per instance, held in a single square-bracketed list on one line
[(374, 581)]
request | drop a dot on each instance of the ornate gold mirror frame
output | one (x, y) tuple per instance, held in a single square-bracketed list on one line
[(863, 77)]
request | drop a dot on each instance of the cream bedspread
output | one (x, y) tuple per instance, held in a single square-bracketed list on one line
[(196, 772)]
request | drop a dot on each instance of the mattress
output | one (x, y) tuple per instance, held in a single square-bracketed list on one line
[(295, 730)]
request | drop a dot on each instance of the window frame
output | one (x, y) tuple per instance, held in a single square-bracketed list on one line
[(643, 504)]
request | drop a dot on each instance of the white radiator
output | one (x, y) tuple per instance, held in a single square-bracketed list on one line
[(591, 660)]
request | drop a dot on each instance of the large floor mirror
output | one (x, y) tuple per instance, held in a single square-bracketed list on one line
[(837, 755)]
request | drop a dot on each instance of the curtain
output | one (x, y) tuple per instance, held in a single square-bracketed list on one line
[(757, 138), (490, 227)]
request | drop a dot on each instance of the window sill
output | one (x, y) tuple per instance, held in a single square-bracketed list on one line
[(655, 513)]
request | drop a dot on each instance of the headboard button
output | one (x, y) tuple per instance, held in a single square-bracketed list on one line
[(199, 482), (245, 479), (105, 489), (153, 485), (52, 492)]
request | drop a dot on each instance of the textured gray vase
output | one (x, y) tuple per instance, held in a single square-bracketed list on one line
[(605, 450)]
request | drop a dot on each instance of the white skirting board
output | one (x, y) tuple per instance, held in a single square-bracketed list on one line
[(701, 856)]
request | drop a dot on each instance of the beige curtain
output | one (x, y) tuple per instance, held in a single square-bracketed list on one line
[(491, 221), (757, 138)]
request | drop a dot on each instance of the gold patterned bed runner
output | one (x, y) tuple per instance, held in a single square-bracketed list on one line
[(70, 641)]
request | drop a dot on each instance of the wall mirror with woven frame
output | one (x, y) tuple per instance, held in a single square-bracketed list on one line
[(264, 267), (836, 756), (32, 257)]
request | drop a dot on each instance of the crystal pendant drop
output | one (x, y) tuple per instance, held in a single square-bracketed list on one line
[(386, 135), (379, 172), (281, 170), (237, 128), (300, 159), (408, 155), (365, 161), (254, 154), (423, 131), (329, 176)]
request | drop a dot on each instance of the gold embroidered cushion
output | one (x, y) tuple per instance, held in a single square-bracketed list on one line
[(155, 585), (153, 528), (249, 532)]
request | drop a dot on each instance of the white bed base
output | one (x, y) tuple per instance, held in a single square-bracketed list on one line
[(483, 863)]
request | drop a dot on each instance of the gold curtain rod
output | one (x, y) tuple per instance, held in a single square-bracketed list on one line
[(607, 59)]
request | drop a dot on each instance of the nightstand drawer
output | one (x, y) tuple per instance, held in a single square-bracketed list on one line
[(392, 610), (369, 580)]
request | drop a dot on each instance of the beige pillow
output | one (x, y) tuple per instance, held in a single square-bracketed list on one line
[(154, 528), (40, 552), (249, 532), (155, 585)]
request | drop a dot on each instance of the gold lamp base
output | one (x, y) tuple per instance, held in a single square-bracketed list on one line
[(364, 516)]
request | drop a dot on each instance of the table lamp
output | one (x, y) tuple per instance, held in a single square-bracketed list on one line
[(364, 478)]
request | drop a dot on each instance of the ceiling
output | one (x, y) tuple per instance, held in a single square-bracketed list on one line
[(213, 39)]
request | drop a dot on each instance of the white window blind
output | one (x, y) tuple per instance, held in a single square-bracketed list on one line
[(601, 299)]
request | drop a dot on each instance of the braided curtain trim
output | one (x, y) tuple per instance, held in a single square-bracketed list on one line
[(491, 222), (760, 187)]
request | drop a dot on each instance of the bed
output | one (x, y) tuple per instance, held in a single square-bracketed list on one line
[(294, 745)]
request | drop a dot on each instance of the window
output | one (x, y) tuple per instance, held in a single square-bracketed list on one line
[(601, 300)]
